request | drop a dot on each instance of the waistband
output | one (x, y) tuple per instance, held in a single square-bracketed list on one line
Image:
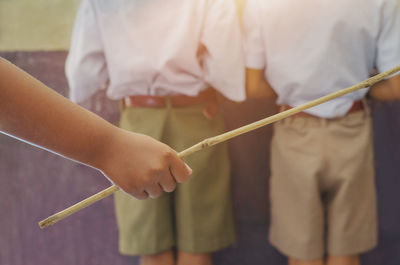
[(207, 97), (358, 105)]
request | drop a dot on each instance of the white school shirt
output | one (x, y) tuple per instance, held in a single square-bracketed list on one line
[(315, 47), (156, 47)]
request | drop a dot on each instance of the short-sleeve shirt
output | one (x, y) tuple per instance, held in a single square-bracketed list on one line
[(312, 48), (157, 47)]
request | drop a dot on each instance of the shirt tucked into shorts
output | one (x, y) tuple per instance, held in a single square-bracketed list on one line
[(165, 48), (322, 169)]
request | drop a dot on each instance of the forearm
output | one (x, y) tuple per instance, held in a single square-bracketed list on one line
[(257, 86), (33, 112), (266, 91), (386, 90)]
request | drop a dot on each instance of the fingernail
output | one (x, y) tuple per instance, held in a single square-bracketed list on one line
[(190, 170)]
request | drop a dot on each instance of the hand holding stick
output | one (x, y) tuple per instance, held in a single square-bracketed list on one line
[(224, 137)]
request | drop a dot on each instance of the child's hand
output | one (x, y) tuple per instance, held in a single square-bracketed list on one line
[(142, 166)]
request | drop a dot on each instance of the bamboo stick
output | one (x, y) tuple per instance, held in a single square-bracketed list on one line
[(224, 137)]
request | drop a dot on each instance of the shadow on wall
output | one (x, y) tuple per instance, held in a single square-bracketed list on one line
[(35, 184)]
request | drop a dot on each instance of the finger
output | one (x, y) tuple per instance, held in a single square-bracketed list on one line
[(180, 171), (168, 183), (142, 195), (154, 190)]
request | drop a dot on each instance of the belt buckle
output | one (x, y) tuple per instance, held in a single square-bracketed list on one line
[(153, 102)]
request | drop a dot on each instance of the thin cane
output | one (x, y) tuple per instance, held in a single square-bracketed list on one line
[(224, 137)]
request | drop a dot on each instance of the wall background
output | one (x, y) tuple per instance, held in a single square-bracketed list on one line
[(36, 25), (20, 20), (34, 183)]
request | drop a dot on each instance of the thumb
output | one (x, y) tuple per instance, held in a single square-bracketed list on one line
[(179, 169)]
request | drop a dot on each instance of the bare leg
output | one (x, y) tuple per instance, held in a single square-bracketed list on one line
[(163, 258), (305, 262), (185, 258), (345, 260)]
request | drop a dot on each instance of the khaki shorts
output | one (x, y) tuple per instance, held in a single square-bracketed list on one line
[(197, 217), (323, 198)]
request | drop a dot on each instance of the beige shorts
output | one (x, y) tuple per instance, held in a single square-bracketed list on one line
[(323, 198), (197, 217)]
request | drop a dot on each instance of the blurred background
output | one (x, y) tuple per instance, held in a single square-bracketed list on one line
[(34, 184)]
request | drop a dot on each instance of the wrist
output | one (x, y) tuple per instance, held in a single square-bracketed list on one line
[(396, 91), (103, 147)]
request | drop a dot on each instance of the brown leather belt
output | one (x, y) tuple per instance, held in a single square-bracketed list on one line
[(207, 97), (357, 106)]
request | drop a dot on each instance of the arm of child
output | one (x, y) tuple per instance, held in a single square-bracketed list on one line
[(386, 90), (257, 86), (140, 165)]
